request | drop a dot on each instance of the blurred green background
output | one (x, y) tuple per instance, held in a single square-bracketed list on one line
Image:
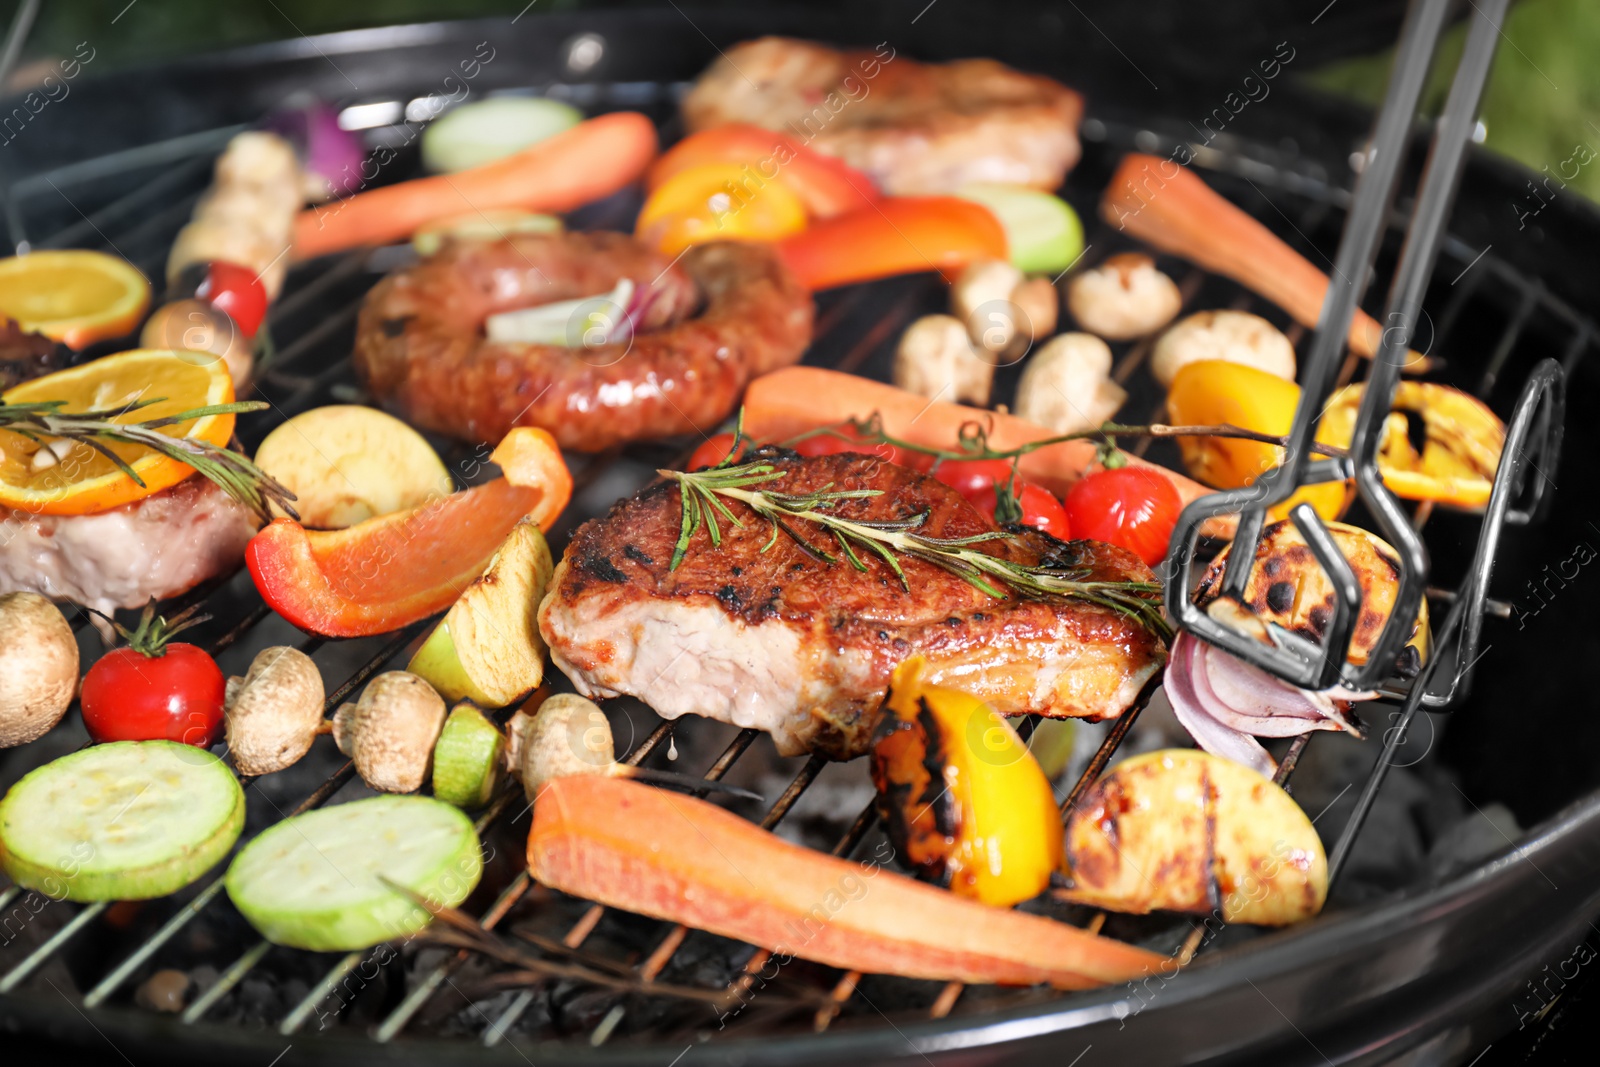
[(1543, 99)]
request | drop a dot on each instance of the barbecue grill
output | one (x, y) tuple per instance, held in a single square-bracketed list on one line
[(1409, 963)]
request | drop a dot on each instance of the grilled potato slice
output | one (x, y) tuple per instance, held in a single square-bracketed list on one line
[(1287, 587), (1183, 830)]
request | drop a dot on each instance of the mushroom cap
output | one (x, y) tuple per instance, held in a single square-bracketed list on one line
[(38, 667), (1066, 385), (274, 711), (569, 736), (390, 731), (1234, 336), (1124, 297)]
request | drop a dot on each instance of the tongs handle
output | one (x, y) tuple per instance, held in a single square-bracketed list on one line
[(1303, 663)]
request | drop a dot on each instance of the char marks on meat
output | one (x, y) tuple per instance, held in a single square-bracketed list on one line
[(803, 648)]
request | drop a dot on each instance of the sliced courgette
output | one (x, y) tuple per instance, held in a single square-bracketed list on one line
[(467, 758), (1042, 231), (317, 881), (123, 821)]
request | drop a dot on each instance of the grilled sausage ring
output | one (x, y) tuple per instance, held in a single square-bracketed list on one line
[(722, 314)]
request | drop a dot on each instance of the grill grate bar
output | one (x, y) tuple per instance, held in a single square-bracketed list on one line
[(32, 961), (225, 983)]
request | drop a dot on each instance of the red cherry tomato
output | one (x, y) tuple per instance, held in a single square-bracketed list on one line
[(970, 477), (1133, 507), (713, 450), (1039, 509), (827, 444), (176, 696), (238, 292)]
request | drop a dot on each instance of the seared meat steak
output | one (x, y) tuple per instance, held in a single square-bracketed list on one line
[(803, 648)]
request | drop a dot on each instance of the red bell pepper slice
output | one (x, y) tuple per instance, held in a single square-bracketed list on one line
[(393, 570), (897, 235), (825, 185)]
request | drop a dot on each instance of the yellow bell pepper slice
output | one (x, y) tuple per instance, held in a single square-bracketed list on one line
[(986, 823), (1213, 391)]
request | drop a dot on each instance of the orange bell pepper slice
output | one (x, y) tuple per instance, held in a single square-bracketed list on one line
[(898, 235), (825, 185), (717, 202), (393, 570)]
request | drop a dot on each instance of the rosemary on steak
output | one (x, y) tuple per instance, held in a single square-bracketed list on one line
[(234, 473), (751, 484)]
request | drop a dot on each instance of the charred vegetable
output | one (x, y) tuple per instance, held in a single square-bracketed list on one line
[(964, 801), (1219, 838), (1460, 450)]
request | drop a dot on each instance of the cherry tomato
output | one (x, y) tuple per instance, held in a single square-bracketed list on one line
[(1133, 507), (827, 444), (1039, 509), (970, 477), (174, 696), (238, 292), (713, 450)]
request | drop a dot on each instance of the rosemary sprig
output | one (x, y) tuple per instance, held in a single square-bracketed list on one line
[(750, 484), (233, 472)]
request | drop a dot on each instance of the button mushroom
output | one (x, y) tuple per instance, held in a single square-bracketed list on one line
[(1234, 336), (569, 736), (936, 360), (390, 731), (1123, 298), (274, 712), (1003, 311), (38, 667), (1066, 385)]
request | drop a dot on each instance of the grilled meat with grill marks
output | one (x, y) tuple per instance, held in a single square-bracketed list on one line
[(914, 127), (803, 648)]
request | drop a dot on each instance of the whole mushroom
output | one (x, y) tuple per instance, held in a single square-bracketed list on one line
[(1066, 385), (390, 731), (274, 712), (1234, 336), (1123, 298), (935, 359), (38, 667)]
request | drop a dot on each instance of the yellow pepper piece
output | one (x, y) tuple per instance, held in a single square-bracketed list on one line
[(1213, 391), (986, 822), (1459, 455)]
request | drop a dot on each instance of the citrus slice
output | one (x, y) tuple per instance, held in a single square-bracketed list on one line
[(74, 479), (718, 202), (75, 297)]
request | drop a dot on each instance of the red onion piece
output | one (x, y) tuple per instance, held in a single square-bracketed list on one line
[(333, 154), (1208, 732)]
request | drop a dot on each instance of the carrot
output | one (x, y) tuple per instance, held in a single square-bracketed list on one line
[(591, 160), (791, 401), (1171, 208), (673, 857)]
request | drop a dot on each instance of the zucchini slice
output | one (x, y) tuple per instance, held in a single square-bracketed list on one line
[(128, 820), (316, 881), (467, 759)]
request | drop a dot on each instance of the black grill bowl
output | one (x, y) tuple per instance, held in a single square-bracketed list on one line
[(1435, 968)]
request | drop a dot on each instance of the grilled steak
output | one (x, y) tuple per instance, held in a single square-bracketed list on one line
[(914, 127), (158, 547), (803, 648)]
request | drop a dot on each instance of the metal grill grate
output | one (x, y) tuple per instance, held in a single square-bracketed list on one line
[(313, 324)]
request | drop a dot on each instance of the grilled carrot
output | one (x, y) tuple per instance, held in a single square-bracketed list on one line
[(591, 160), (796, 399), (1169, 207), (673, 857)]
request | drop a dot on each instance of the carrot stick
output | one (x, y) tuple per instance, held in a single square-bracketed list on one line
[(593, 159), (791, 401), (673, 857), (1171, 208)]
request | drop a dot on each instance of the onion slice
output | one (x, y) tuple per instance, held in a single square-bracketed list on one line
[(1226, 703), (588, 322)]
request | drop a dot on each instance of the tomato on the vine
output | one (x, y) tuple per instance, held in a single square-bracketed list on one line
[(1039, 509), (846, 438), (236, 291), (714, 450), (155, 689), (970, 477), (1132, 507)]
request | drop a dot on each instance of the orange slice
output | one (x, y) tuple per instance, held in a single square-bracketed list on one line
[(75, 297), (78, 480)]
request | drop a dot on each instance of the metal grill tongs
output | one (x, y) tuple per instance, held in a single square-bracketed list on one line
[(1536, 421)]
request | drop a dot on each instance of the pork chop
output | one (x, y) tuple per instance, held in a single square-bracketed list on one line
[(802, 648)]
